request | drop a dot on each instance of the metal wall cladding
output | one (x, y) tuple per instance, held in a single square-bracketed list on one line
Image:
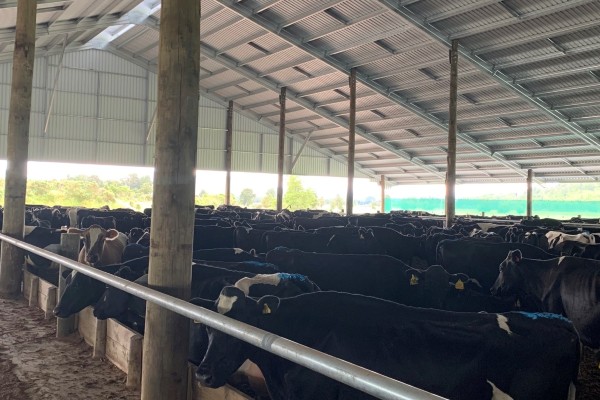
[(249, 142), (122, 109), (212, 117), (75, 151), (211, 139), (98, 60), (122, 86), (211, 159), (124, 132), (73, 80), (6, 73), (40, 72), (36, 124), (73, 128), (5, 96), (337, 168), (119, 154), (66, 103), (38, 99), (246, 161)]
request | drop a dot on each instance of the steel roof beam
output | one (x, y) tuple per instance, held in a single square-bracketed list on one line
[(263, 56), (289, 110), (309, 13), (226, 85), (366, 39), (537, 36), (265, 6), (547, 57), (390, 53), (499, 76), (522, 17), (341, 25), (241, 42), (460, 10), (247, 94), (556, 74), (13, 3)]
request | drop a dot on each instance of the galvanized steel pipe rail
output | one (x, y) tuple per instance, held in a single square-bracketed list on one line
[(350, 374)]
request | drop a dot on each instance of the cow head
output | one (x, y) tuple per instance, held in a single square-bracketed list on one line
[(430, 287), (80, 291), (93, 242), (509, 278), (226, 354)]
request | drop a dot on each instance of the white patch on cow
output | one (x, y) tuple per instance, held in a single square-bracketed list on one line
[(485, 226), (572, 390), (28, 260), (237, 250), (498, 394), (503, 323), (73, 217), (225, 303), (245, 284), (561, 259), (27, 229), (94, 234)]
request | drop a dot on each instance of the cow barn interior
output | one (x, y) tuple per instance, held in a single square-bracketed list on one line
[(401, 92)]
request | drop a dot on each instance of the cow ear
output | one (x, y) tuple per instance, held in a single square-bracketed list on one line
[(112, 233), (516, 256), (268, 304)]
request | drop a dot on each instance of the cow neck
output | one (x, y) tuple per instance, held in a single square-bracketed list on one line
[(540, 277)]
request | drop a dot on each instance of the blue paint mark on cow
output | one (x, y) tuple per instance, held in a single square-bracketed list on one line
[(292, 277), (544, 315)]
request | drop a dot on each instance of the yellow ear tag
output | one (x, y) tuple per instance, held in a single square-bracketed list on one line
[(459, 285), (266, 309), (414, 280)]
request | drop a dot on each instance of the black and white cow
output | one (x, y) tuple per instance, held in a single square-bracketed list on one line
[(455, 355)]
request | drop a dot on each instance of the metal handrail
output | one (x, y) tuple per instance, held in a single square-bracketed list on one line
[(342, 371)]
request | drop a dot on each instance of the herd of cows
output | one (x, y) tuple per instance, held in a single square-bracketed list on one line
[(475, 311)]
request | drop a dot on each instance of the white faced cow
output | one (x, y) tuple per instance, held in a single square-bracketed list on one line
[(100, 246)]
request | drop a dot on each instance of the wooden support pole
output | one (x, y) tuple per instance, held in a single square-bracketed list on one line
[(529, 193), (12, 258), (69, 247), (382, 193), (228, 153), (164, 371), (351, 142), (281, 150), (451, 160)]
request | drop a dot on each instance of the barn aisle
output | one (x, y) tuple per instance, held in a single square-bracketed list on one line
[(35, 365)]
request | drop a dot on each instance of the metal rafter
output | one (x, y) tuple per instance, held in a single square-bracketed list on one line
[(341, 25), (325, 57), (499, 76)]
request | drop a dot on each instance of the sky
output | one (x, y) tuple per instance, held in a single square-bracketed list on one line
[(214, 182)]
